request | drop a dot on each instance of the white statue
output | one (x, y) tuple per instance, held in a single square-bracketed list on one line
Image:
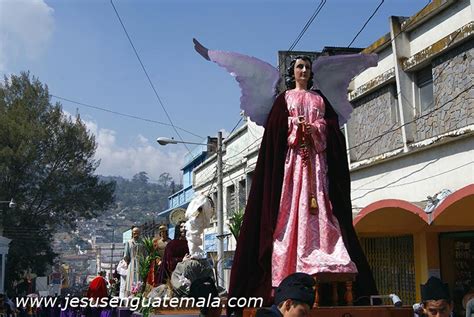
[(198, 215)]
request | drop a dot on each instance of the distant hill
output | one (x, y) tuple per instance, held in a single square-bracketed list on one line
[(140, 195), (136, 201)]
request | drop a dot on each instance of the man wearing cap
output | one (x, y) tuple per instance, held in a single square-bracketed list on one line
[(162, 240), (294, 297), (436, 299)]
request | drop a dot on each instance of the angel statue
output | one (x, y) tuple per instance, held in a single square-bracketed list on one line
[(298, 216), (198, 215)]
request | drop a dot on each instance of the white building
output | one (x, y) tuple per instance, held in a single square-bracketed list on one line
[(4, 246), (411, 136), (240, 152)]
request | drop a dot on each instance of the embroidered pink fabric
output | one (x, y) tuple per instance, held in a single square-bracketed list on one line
[(304, 242)]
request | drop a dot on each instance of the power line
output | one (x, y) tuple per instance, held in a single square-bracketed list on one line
[(418, 180), (409, 102), (307, 25), (401, 30), (236, 125), (122, 114), (298, 38), (366, 22), (414, 120), (147, 76)]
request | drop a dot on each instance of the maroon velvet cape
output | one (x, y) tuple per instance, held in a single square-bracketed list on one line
[(174, 253), (251, 273)]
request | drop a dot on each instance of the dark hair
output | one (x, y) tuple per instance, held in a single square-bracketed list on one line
[(290, 72), (294, 303), (446, 300), (177, 230)]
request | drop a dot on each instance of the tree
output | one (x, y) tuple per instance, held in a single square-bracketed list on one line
[(165, 180), (141, 178), (47, 166)]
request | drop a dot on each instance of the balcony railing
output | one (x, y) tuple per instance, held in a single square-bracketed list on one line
[(181, 197)]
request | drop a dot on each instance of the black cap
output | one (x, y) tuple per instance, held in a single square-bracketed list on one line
[(202, 287), (434, 289), (297, 286)]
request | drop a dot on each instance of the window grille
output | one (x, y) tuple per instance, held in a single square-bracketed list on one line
[(393, 265)]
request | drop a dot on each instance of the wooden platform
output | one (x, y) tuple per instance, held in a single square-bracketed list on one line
[(353, 311), (347, 311)]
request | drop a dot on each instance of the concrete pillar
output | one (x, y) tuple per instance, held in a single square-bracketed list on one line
[(426, 256), (401, 50), (472, 10)]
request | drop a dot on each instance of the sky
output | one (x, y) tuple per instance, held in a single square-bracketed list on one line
[(80, 50)]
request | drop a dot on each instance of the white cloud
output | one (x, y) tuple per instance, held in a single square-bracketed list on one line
[(142, 139), (116, 160), (25, 29)]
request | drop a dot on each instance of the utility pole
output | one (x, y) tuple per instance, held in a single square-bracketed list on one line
[(220, 210), (112, 252), (220, 213)]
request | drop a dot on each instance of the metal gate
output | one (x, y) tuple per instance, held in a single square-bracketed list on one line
[(393, 265)]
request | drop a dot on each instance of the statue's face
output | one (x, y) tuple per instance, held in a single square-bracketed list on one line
[(164, 234), (302, 71), (135, 233), (182, 229)]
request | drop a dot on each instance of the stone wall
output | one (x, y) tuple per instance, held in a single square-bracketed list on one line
[(453, 73), (372, 117)]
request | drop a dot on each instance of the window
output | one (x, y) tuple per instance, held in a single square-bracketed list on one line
[(249, 183), (242, 194), (392, 260), (424, 89), (231, 200), (214, 199), (394, 114)]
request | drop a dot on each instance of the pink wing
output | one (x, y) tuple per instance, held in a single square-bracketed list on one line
[(257, 79), (332, 75)]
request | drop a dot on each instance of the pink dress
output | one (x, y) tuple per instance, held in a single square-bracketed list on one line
[(305, 242)]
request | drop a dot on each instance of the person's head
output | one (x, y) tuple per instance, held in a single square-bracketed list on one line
[(135, 233), (163, 232), (295, 295), (436, 299), (180, 230), (102, 273), (300, 72), (294, 308), (205, 287), (155, 243)]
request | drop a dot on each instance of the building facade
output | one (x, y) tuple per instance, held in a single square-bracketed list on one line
[(410, 147), (239, 156), (4, 246), (179, 201)]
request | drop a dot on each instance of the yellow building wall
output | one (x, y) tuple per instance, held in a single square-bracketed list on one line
[(427, 262)]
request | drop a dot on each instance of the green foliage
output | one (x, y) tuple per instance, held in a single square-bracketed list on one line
[(150, 255), (235, 222), (145, 311), (148, 245), (144, 267), (47, 165)]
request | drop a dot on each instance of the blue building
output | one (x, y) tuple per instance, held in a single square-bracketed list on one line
[(181, 198)]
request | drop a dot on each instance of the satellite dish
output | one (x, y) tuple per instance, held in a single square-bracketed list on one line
[(177, 216)]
